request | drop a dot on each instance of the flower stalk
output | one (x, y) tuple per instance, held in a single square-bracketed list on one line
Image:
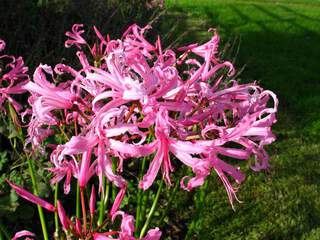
[(78, 201), (84, 211), (152, 210), (140, 195), (172, 196), (56, 217), (36, 192), (104, 201)]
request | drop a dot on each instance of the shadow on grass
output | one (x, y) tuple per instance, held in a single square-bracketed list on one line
[(282, 52), (284, 58)]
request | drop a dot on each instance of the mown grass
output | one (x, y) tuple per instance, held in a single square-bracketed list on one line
[(279, 46)]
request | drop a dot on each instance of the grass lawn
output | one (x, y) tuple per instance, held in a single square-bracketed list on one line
[(280, 47)]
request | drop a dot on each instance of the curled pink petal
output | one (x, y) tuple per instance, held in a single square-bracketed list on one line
[(23, 233), (75, 36)]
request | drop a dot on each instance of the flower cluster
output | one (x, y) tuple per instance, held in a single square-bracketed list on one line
[(130, 98)]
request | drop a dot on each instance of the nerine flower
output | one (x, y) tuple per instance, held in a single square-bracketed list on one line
[(13, 76), (137, 100), (75, 36), (137, 92), (134, 101)]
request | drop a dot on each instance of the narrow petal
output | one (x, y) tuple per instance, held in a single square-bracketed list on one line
[(117, 202), (92, 201), (62, 216), (30, 197), (23, 233)]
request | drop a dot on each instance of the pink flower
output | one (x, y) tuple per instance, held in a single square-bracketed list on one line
[(134, 40), (133, 101), (182, 150), (63, 168), (84, 170), (127, 226), (75, 36), (12, 78), (46, 99)]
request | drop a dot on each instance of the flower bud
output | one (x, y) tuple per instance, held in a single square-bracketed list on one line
[(62, 216), (92, 201)]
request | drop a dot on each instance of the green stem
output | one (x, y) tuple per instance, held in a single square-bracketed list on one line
[(56, 218), (139, 197), (144, 202), (106, 198), (4, 234), (104, 201), (114, 169), (171, 197), (151, 212), (101, 206), (36, 192), (78, 201)]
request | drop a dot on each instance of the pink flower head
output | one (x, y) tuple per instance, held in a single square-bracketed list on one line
[(46, 99), (133, 100)]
